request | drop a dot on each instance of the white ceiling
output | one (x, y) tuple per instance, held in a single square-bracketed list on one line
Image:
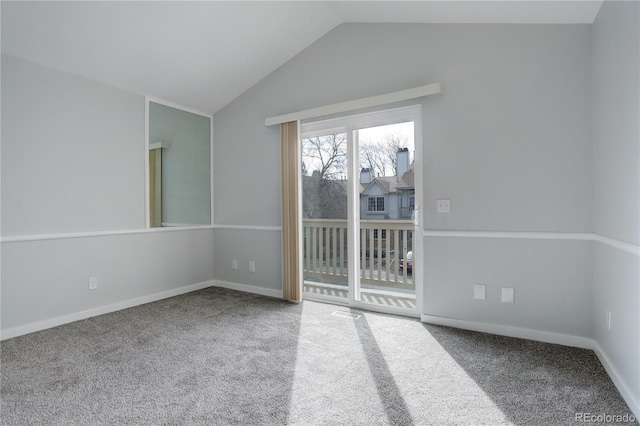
[(205, 54)]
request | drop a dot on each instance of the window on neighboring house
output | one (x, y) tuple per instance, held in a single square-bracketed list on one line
[(376, 204), (412, 202)]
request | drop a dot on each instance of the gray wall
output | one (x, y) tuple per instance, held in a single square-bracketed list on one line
[(73, 161), (263, 247), (71, 153), (546, 275), (43, 280), (616, 90), (510, 143)]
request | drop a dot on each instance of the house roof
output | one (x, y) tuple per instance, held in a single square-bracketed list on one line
[(391, 183), (407, 181), (205, 54), (375, 182)]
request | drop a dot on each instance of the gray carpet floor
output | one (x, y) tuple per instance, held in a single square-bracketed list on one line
[(218, 356)]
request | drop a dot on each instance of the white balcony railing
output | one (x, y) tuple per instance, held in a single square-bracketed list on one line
[(382, 244)]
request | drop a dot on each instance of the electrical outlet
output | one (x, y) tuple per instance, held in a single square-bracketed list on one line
[(234, 263), (444, 206), (479, 291), (508, 295), (93, 283), (252, 266), (609, 320)]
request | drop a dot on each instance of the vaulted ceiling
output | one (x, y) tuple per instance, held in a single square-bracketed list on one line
[(205, 54)]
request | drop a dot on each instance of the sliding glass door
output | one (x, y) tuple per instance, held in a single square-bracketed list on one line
[(361, 188), (324, 215)]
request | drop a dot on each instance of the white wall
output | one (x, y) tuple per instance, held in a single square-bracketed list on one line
[(510, 143), (616, 111), (73, 162)]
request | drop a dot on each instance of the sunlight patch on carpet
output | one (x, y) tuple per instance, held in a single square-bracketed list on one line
[(332, 383), (428, 377), (380, 367)]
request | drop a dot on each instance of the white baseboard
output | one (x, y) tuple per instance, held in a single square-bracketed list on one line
[(100, 310), (547, 337), (505, 330), (249, 288), (617, 380)]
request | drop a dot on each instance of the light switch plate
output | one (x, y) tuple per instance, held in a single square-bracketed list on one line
[(479, 291), (444, 206), (507, 295)]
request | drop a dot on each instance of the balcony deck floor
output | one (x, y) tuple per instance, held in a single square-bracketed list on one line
[(374, 297)]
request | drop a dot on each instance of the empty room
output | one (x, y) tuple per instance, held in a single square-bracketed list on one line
[(320, 212)]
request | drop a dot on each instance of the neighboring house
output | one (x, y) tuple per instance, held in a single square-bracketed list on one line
[(388, 197), (381, 198)]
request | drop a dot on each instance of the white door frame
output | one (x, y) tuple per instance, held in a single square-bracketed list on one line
[(350, 125)]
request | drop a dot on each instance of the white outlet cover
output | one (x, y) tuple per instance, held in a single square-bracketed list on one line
[(479, 291), (507, 295), (444, 206), (234, 263), (93, 283), (252, 266)]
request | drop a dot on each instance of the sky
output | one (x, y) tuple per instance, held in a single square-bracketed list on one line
[(377, 135)]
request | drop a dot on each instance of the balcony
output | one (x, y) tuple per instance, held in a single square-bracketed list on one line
[(405, 212), (382, 244)]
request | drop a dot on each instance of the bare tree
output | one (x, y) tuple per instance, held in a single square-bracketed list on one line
[(326, 154), (372, 156), (324, 165), (382, 156), (324, 169)]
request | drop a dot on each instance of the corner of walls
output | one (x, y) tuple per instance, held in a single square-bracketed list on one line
[(616, 319), (241, 245), (616, 203), (618, 379), (247, 197), (249, 289)]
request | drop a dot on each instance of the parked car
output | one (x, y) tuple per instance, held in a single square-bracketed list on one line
[(409, 262)]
